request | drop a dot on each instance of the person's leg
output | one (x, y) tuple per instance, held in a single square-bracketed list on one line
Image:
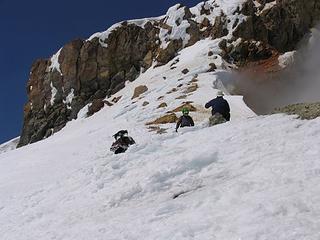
[(227, 117), (120, 150), (216, 119)]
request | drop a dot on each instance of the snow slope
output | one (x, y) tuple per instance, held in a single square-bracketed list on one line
[(246, 179), (254, 177), (9, 146)]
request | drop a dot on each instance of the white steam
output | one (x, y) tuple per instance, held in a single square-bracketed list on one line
[(298, 83)]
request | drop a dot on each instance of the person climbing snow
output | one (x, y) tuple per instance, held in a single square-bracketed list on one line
[(220, 110), (185, 120), (122, 143)]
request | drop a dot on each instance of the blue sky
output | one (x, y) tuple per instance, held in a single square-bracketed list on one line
[(36, 29)]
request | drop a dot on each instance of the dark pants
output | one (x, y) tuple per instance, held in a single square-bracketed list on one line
[(120, 150)]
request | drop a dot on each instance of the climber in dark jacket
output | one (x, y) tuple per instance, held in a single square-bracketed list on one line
[(185, 120), (122, 143), (219, 105)]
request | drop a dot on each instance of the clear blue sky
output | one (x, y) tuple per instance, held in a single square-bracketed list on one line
[(37, 28)]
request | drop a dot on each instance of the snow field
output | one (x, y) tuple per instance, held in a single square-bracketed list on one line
[(253, 179)]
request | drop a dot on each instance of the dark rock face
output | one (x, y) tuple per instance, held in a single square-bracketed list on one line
[(288, 22), (89, 71), (282, 26), (86, 71)]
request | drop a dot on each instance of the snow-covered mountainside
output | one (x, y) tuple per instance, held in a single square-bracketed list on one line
[(88, 71), (254, 177)]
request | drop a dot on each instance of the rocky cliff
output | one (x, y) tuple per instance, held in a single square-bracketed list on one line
[(87, 71)]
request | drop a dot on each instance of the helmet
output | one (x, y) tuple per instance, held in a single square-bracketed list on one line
[(120, 134), (220, 94), (185, 111)]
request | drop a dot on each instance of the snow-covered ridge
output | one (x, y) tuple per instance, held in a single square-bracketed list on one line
[(175, 19), (216, 7), (9, 146)]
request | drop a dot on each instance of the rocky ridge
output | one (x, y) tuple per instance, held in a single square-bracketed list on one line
[(87, 71), (302, 110)]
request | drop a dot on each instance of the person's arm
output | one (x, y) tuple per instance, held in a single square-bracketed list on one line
[(131, 141), (208, 104), (178, 124), (191, 121), (228, 107)]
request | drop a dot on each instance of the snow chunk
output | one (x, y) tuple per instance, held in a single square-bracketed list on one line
[(69, 98), (256, 4), (54, 92), (143, 21), (269, 5), (175, 14), (9, 146), (83, 113), (55, 62), (266, 7), (103, 36), (286, 59)]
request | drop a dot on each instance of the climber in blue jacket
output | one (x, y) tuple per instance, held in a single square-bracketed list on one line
[(220, 107)]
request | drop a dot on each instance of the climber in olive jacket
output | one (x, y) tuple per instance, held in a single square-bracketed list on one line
[(219, 105)]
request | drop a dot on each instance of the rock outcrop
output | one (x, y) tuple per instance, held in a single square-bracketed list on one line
[(280, 24), (139, 90), (303, 110), (87, 71), (169, 118)]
